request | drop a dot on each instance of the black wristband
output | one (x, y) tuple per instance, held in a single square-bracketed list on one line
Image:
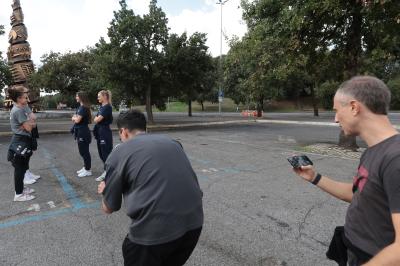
[(316, 179)]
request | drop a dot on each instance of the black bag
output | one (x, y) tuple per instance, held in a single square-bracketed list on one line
[(35, 133), (338, 248), (21, 146)]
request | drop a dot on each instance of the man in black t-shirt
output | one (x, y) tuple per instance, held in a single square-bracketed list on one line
[(372, 227)]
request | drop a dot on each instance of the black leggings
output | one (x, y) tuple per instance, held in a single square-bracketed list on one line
[(83, 147), (20, 164), (104, 146)]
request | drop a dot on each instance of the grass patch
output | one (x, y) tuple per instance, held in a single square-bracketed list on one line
[(227, 106)]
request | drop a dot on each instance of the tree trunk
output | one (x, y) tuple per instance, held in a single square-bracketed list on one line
[(149, 109), (352, 63), (298, 102), (347, 142), (190, 108), (202, 106), (314, 102), (353, 47), (260, 106)]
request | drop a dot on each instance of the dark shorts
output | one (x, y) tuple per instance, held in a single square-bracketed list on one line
[(174, 253)]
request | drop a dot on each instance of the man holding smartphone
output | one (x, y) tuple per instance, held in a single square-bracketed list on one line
[(161, 194), (371, 233)]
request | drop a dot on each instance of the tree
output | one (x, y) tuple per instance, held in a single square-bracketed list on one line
[(189, 67), (328, 41), (256, 68), (66, 73), (210, 84), (5, 74), (133, 58)]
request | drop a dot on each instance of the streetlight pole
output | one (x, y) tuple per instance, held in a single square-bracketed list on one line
[(220, 90)]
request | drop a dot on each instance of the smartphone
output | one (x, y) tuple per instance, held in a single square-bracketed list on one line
[(299, 160)]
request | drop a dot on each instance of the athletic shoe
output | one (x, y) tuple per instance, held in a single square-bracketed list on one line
[(85, 173), (28, 190), (23, 197), (81, 170), (36, 177), (102, 177), (28, 180)]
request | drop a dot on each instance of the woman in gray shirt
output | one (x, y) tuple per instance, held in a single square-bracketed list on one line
[(21, 145)]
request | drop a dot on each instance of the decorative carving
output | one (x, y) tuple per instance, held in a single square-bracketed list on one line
[(19, 55), (21, 71), (17, 17), (16, 4), (18, 34), (19, 52)]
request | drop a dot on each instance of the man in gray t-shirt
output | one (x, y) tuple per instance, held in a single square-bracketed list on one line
[(161, 193), (371, 234)]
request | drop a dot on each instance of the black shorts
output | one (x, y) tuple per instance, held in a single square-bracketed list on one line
[(174, 253)]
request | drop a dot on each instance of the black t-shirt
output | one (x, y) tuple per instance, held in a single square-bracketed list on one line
[(376, 196), (106, 112), (84, 112)]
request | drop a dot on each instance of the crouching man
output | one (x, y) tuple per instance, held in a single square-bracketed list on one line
[(161, 193)]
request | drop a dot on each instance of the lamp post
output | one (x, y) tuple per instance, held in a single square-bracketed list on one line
[(220, 91)]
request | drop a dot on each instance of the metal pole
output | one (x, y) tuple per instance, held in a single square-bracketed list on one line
[(220, 65), (220, 90)]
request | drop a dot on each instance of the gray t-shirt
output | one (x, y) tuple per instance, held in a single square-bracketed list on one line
[(376, 196), (160, 189), (17, 117)]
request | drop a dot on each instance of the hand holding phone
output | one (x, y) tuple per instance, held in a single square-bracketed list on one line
[(299, 160)]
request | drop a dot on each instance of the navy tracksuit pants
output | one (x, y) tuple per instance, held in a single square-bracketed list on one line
[(104, 142)]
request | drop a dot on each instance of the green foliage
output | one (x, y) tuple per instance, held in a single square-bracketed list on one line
[(51, 101), (394, 86), (325, 92), (300, 48), (132, 61), (66, 73), (5, 74), (190, 67)]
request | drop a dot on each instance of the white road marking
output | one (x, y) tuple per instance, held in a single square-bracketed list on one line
[(34, 207)]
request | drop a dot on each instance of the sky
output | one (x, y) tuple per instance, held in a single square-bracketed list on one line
[(72, 25)]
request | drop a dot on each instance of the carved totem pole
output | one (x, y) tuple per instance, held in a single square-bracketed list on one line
[(19, 53)]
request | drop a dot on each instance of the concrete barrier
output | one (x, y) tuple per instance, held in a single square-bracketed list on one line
[(5, 115)]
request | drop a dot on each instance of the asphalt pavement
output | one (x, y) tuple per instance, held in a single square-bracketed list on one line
[(257, 212)]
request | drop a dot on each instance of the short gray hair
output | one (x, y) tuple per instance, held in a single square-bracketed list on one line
[(370, 91)]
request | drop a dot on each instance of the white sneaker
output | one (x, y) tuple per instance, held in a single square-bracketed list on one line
[(81, 170), (23, 197), (85, 173), (28, 190), (28, 180), (36, 177), (101, 177)]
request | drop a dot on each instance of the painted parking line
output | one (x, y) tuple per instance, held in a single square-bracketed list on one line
[(70, 193), (48, 215), (211, 170)]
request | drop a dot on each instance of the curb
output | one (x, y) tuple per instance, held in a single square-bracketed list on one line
[(149, 127), (309, 123)]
